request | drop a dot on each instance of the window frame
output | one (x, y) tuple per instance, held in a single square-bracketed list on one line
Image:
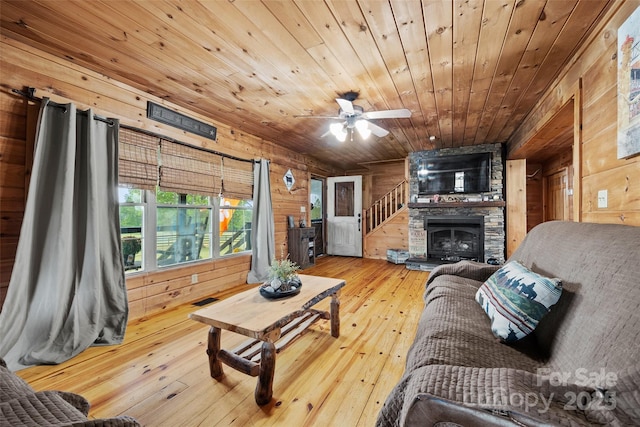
[(150, 205), (143, 230), (217, 224)]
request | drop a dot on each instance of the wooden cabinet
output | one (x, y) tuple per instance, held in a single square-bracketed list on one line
[(302, 246)]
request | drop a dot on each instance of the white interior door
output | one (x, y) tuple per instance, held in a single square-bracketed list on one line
[(344, 216)]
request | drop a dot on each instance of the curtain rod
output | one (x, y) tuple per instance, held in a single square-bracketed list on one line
[(30, 94)]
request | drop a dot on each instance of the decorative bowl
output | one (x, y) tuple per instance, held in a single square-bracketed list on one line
[(267, 291)]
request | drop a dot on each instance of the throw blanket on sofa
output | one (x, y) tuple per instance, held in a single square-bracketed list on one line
[(21, 406), (579, 367)]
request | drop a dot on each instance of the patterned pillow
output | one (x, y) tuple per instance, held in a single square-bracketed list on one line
[(515, 299)]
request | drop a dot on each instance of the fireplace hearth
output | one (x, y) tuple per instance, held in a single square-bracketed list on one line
[(453, 238)]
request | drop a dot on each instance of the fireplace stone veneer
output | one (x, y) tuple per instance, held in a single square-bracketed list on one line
[(494, 235), (457, 206)]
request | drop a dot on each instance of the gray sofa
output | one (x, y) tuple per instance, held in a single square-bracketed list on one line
[(20, 406), (580, 366)]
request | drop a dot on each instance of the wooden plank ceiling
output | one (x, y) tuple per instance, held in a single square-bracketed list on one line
[(469, 70)]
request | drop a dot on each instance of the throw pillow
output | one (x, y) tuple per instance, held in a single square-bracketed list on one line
[(516, 299)]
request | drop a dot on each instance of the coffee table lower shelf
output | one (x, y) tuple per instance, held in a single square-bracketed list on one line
[(250, 349)]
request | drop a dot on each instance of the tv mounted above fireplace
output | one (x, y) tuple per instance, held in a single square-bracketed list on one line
[(464, 173)]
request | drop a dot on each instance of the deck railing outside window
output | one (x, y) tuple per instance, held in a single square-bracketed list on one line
[(163, 229)]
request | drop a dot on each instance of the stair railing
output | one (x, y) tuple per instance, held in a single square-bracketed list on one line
[(385, 207)]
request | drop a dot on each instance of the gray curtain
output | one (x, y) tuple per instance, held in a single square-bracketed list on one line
[(262, 228), (67, 288)]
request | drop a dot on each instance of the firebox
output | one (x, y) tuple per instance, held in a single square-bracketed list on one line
[(453, 238)]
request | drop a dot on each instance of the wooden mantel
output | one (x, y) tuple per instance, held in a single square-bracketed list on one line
[(484, 204)]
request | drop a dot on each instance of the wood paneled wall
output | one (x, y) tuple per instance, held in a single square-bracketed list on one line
[(535, 207), (394, 234), (63, 81), (595, 66), (384, 177)]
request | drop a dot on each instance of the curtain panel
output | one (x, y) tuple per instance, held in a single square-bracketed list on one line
[(263, 225), (67, 289)]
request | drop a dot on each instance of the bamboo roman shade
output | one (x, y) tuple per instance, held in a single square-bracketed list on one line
[(185, 169), (138, 159), (148, 160), (237, 179)]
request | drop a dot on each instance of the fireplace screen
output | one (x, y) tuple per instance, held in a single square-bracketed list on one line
[(452, 238)]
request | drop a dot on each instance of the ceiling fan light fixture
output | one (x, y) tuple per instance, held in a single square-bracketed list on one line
[(354, 116), (365, 133), (338, 130), (363, 128), (335, 128)]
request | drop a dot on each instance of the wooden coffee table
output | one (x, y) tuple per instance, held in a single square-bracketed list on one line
[(271, 325)]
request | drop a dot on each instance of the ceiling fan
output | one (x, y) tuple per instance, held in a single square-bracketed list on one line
[(354, 117)]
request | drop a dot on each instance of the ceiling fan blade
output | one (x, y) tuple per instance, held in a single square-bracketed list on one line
[(377, 130), (311, 116), (402, 113), (345, 105)]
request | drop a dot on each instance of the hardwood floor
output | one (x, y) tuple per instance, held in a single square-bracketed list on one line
[(160, 375)]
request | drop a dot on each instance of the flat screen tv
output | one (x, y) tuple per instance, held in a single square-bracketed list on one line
[(461, 174)]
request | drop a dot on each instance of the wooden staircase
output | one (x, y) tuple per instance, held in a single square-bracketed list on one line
[(386, 207), (386, 223)]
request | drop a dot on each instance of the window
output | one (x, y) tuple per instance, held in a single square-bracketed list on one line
[(315, 200), (168, 206), (344, 196), (183, 228), (180, 228), (131, 227), (235, 225)]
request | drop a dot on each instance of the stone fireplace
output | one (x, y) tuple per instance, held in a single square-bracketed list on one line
[(479, 233)]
